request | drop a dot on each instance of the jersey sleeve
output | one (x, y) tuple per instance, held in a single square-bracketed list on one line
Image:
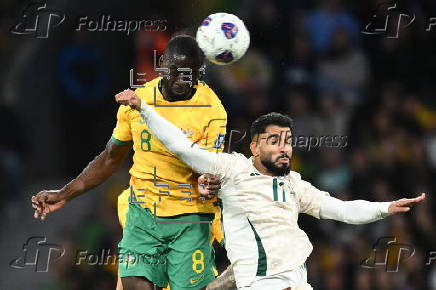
[(122, 135), (225, 166), (309, 197)]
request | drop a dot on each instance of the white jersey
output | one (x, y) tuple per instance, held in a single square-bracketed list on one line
[(260, 212), (260, 215)]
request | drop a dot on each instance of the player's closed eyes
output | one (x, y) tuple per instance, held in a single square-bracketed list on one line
[(272, 139)]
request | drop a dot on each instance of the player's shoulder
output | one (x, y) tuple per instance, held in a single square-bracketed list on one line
[(238, 160), (209, 96), (146, 91), (124, 111), (294, 176), (238, 156)]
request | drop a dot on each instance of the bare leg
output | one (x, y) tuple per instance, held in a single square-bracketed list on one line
[(119, 284), (138, 283)]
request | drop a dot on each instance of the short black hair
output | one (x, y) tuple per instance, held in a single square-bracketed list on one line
[(187, 45), (273, 118)]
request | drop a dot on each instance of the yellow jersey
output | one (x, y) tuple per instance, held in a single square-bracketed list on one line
[(159, 180)]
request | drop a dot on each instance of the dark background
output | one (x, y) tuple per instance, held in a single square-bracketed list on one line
[(308, 59)]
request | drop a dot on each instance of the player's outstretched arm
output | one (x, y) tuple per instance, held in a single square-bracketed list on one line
[(362, 211), (97, 171), (200, 160)]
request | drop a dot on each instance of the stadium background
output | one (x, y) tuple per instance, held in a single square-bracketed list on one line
[(306, 58)]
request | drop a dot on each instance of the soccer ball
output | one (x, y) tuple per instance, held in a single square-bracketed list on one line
[(223, 38)]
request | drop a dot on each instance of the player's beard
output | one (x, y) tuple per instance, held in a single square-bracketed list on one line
[(274, 169)]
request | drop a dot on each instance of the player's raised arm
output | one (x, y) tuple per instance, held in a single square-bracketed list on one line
[(362, 211), (97, 171), (200, 160)]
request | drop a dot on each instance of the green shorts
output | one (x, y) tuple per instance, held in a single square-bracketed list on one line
[(167, 249)]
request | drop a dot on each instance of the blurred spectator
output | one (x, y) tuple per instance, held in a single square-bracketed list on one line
[(334, 175), (323, 22), (301, 65), (344, 69)]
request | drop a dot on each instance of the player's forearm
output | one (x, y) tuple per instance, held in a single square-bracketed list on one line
[(353, 212), (173, 138)]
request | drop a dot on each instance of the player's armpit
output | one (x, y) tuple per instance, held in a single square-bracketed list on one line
[(117, 152)]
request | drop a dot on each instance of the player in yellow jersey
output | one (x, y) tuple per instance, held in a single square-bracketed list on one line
[(167, 225)]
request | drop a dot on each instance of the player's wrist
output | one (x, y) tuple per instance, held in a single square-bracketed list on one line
[(384, 208)]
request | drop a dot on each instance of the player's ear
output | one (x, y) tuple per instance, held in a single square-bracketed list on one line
[(254, 148)]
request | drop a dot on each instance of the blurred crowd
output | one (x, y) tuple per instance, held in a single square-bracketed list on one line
[(308, 59)]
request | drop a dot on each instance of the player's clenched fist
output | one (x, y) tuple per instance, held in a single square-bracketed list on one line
[(128, 98), (47, 201), (208, 185)]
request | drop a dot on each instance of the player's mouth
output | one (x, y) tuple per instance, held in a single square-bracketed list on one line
[(179, 90), (283, 160)]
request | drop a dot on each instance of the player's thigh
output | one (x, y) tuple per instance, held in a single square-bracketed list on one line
[(191, 257), (138, 283), (142, 252)]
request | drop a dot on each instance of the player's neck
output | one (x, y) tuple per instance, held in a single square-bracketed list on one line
[(260, 167)]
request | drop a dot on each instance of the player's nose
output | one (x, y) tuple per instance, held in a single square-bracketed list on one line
[(181, 81)]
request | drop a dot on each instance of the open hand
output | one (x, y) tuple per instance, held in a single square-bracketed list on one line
[(47, 201), (404, 204)]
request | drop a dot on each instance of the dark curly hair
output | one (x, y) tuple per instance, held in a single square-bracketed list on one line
[(273, 118)]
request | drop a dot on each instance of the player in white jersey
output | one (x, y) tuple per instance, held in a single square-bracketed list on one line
[(262, 198)]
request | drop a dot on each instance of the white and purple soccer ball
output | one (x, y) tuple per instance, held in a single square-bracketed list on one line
[(223, 38)]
